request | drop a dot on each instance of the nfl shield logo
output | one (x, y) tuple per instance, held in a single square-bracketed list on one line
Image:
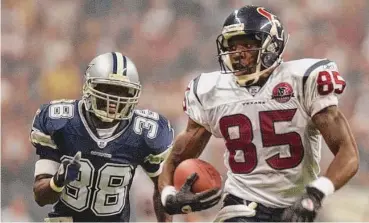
[(101, 144)]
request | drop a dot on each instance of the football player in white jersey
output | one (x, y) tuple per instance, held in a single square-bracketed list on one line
[(272, 116)]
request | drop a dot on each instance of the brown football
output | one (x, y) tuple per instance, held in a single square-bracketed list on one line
[(208, 176)]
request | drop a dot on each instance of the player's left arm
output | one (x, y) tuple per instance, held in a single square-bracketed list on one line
[(160, 212), (322, 91), (336, 132), (322, 88)]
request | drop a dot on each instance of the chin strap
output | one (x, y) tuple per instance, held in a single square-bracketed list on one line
[(250, 79), (103, 117), (247, 78)]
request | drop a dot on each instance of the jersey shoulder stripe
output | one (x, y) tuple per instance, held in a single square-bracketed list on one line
[(311, 69), (194, 88), (301, 71)]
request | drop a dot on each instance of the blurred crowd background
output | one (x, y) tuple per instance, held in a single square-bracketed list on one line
[(46, 46)]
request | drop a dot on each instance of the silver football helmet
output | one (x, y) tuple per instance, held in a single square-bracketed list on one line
[(112, 87)]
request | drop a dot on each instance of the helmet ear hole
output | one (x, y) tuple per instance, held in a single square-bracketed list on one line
[(268, 59)]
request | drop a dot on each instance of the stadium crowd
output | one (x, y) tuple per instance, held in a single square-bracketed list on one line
[(46, 46)]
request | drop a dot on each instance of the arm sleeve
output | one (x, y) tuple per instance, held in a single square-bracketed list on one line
[(322, 88), (192, 105), (158, 148)]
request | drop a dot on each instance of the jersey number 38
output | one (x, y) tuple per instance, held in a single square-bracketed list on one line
[(104, 195)]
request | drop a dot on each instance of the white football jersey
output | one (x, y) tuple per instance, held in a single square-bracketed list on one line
[(273, 148)]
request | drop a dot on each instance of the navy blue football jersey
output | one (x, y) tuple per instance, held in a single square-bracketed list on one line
[(101, 191)]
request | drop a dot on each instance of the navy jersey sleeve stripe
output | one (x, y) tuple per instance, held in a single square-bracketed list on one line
[(194, 88), (310, 70)]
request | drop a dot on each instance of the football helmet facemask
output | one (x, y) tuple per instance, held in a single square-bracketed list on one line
[(265, 30), (112, 88)]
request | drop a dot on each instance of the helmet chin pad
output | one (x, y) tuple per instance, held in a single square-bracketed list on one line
[(122, 111), (250, 79), (247, 79), (103, 116)]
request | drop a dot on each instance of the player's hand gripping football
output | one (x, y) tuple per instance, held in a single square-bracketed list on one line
[(185, 201), (305, 208), (68, 171)]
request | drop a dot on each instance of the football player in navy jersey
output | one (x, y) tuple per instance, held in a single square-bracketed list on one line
[(89, 149)]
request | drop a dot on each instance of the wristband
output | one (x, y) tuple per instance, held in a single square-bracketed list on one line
[(54, 187), (323, 184), (168, 190)]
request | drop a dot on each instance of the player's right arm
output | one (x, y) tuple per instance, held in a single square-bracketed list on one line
[(50, 174), (188, 144), (47, 188), (42, 191)]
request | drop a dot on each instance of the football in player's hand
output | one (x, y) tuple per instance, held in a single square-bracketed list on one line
[(208, 176)]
